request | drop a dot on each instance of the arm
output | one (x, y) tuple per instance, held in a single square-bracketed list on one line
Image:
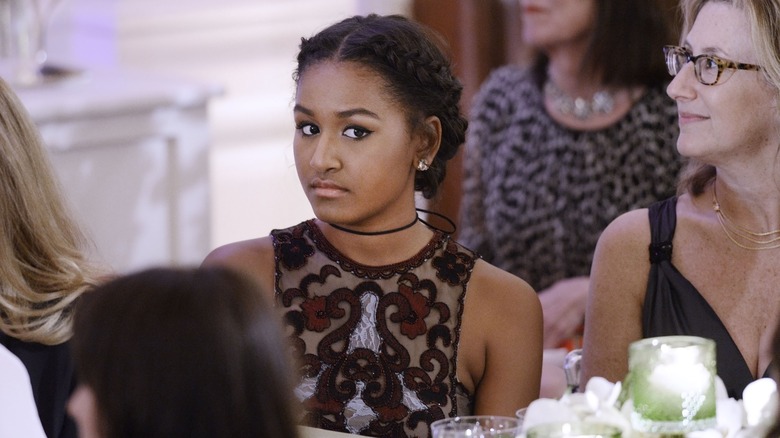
[(618, 283), (564, 309), (563, 306), (501, 341), (254, 258)]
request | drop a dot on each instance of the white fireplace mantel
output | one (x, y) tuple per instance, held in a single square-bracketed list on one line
[(131, 152)]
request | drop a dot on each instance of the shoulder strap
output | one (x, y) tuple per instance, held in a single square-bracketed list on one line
[(663, 220)]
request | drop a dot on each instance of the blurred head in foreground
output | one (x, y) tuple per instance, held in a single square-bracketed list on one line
[(180, 352)]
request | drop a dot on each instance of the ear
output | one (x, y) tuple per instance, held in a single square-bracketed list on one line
[(430, 140)]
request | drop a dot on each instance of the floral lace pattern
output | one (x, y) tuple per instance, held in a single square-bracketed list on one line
[(377, 346)]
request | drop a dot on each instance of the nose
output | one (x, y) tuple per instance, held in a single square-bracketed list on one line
[(325, 153), (682, 85)]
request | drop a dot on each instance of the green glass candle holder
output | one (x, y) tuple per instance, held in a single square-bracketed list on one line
[(672, 384), (574, 430)]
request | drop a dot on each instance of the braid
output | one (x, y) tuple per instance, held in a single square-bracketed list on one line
[(418, 74)]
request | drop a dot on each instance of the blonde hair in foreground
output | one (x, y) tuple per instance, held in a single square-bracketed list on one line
[(43, 269), (764, 25)]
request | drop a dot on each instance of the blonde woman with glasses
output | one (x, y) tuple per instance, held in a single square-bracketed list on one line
[(43, 269), (705, 262)]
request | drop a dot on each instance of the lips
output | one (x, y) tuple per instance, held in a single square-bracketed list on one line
[(687, 117), (327, 188)]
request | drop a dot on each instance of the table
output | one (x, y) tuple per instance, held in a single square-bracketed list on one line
[(311, 432)]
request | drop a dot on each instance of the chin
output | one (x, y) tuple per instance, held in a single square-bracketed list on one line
[(689, 149), (328, 213)]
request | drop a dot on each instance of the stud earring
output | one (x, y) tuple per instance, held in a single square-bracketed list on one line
[(422, 166)]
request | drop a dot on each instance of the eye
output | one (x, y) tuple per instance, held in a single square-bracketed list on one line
[(710, 63), (307, 129), (356, 133)]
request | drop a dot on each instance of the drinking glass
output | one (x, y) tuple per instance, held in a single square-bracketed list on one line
[(672, 384), (520, 414), (476, 426), (574, 430)]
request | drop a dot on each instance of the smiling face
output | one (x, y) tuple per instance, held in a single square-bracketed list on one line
[(548, 23), (735, 118), (354, 152)]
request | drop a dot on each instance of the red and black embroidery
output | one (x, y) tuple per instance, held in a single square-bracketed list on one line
[(377, 346)]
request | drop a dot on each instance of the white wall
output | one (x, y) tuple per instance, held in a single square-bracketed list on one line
[(246, 46)]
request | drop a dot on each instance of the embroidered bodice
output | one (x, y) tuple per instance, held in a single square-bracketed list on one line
[(377, 345)]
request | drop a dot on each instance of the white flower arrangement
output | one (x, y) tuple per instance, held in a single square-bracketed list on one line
[(748, 417)]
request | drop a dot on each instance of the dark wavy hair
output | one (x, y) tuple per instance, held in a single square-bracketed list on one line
[(626, 43), (418, 74), (190, 352)]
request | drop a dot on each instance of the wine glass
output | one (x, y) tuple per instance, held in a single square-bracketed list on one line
[(476, 426)]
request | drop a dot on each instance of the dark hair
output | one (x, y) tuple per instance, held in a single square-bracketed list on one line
[(190, 352), (625, 47), (411, 60)]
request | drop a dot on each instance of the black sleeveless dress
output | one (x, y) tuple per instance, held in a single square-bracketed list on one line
[(673, 306), (52, 379)]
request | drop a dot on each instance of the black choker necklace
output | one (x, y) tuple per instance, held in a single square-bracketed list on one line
[(376, 233)]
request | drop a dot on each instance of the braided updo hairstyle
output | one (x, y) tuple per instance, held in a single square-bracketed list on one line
[(418, 74)]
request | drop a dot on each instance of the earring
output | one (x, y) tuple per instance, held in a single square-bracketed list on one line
[(422, 166)]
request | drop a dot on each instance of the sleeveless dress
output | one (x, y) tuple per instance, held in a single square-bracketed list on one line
[(673, 306), (52, 379), (377, 346)]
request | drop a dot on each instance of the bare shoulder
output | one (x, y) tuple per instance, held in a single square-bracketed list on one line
[(254, 257), (621, 260), (494, 287), (501, 301), (627, 231), (501, 340)]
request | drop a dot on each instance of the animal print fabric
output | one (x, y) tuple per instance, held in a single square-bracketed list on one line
[(537, 195)]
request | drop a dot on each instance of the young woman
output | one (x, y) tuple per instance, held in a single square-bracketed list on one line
[(704, 263), (396, 325)]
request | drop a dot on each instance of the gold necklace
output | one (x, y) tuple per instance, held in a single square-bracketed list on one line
[(763, 240)]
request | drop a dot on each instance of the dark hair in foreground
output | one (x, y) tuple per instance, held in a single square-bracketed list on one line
[(190, 352), (418, 75)]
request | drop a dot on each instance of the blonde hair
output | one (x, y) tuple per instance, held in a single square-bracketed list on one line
[(43, 269), (764, 24)]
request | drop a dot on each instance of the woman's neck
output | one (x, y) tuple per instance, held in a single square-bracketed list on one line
[(564, 69), (380, 249), (751, 202)]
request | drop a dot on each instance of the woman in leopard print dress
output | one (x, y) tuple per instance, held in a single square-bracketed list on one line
[(544, 172)]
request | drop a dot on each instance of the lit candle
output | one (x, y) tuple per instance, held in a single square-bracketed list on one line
[(672, 384)]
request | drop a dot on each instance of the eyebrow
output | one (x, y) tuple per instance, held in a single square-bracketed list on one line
[(341, 114), (708, 50)]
